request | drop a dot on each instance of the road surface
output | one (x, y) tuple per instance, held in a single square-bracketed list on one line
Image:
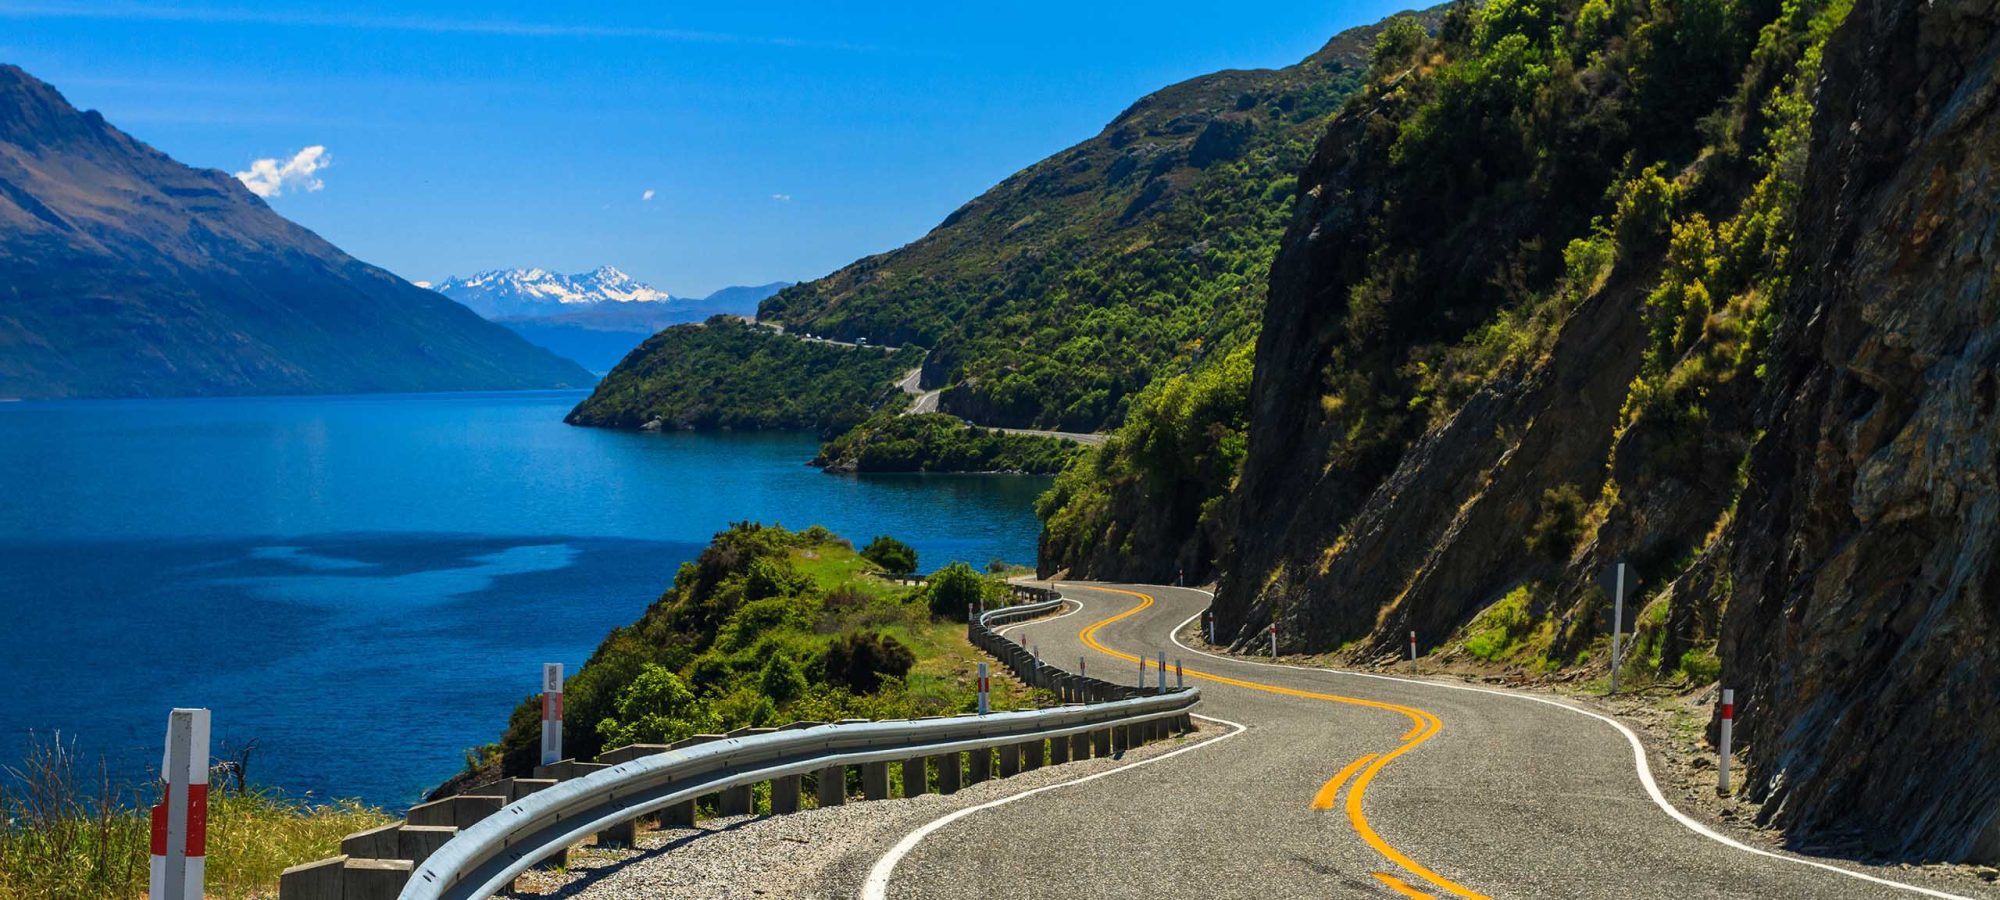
[(1347, 784)]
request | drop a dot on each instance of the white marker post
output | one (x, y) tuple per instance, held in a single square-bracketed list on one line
[(1274, 640), (1728, 726), (1413, 651), (1082, 666), (552, 712), (1142, 673), (1617, 625), (180, 821), (1163, 671), (1211, 627), (1179, 682), (983, 685)]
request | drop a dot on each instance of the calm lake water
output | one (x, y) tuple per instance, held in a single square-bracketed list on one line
[(367, 585)]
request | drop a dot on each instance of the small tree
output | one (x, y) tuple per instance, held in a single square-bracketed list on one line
[(953, 588), (894, 556)]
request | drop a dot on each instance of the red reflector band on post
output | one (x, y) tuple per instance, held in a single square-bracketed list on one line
[(160, 829), (1729, 710), (197, 843)]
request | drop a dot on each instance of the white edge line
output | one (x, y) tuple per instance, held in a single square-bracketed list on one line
[(1639, 760), (1077, 606), (876, 887)]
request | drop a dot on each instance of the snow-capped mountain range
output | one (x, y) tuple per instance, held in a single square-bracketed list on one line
[(506, 293)]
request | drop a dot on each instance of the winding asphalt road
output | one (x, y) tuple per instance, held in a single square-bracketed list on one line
[(1346, 784)]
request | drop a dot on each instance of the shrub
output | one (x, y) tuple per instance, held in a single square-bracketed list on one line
[(782, 681), (953, 589), (863, 660), (894, 556), (1555, 533), (656, 708)]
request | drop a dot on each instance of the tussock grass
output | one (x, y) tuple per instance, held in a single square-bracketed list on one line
[(66, 834)]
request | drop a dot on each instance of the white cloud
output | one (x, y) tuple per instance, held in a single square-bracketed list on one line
[(272, 177), (648, 195), (782, 198)]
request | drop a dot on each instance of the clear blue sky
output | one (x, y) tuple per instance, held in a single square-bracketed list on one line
[(781, 140)]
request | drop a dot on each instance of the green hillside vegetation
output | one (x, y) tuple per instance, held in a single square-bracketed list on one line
[(940, 442), (770, 626), (729, 373), (1056, 296)]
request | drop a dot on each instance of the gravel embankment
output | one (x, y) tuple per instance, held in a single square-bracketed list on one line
[(815, 853)]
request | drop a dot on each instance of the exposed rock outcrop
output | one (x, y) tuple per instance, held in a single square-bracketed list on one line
[(1864, 631)]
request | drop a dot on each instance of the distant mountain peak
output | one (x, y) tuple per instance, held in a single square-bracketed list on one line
[(503, 293)]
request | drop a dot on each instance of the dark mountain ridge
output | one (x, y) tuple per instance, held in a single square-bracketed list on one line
[(126, 274)]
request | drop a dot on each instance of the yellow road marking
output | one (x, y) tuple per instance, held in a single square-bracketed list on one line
[(1330, 790), (1423, 727), (1397, 885)]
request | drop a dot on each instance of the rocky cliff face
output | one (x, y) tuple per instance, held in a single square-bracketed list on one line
[(1864, 628), (124, 273), (1759, 368)]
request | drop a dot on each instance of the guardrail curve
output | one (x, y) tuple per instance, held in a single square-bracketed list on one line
[(475, 844)]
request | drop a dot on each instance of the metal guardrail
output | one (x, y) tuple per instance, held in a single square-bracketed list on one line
[(486, 856)]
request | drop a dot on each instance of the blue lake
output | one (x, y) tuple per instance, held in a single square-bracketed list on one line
[(367, 585)]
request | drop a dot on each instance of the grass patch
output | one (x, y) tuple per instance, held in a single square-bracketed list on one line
[(66, 835), (1508, 632)]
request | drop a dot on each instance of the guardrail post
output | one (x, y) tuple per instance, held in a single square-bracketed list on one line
[(785, 795), (1121, 739), (916, 776), (374, 879), (1010, 760), (1079, 746), (875, 781), (1059, 750), (319, 880), (979, 765), (1031, 754), (180, 821), (832, 786), (741, 800), (951, 773)]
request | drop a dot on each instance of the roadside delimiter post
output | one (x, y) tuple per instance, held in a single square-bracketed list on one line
[(180, 821), (982, 689), (1617, 625), (1728, 726), (552, 713)]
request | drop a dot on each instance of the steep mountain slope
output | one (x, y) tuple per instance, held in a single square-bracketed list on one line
[(1863, 576), (124, 273), (1587, 283), (1055, 296)]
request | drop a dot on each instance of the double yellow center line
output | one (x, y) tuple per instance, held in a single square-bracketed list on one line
[(1423, 726)]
